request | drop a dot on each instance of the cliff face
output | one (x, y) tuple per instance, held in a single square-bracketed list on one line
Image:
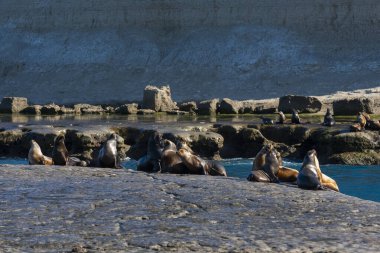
[(103, 51)]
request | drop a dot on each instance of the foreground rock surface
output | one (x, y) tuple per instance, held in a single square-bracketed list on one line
[(60, 209)]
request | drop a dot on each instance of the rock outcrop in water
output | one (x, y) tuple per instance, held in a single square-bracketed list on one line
[(71, 209), (333, 145)]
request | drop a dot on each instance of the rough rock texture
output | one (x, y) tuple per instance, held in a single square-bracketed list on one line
[(300, 103), (32, 109), (188, 106), (13, 104), (88, 109), (158, 99), (208, 106), (51, 109), (60, 209), (229, 106), (127, 109), (353, 106)]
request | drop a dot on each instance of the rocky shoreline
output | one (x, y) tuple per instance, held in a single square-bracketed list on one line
[(214, 141), (158, 99), (73, 209)]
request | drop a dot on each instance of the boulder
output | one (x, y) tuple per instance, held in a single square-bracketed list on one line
[(208, 107), (188, 106), (51, 109), (353, 106), (301, 103), (32, 109), (13, 104), (127, 109), (369, 157), (265, 106), (145, 111), (66, 110), (229, 106), (287, 134), (88, 109), (158, 99)]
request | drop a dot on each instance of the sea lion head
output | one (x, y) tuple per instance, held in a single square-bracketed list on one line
[(310, 157), (60, 138), (169, 145)]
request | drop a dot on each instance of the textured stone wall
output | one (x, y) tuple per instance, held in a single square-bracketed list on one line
[(106, 51)]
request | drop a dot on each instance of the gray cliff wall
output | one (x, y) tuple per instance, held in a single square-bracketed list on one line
[(107, 51)]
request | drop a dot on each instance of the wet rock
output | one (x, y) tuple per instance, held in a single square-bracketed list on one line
[(109, 109), (32, 109), (229, 106), (127, 109), (208, 107), (158, 99), (353, 106), (66, 110), (88, 109), (121, 211), (13, 104), (369, 157), (177, 112), (359, 141), (287, 134), (205, 144), (301, 103), (145, 111), (51, 109), (188, 106)]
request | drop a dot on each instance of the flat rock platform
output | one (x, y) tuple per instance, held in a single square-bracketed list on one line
[(71, 209)]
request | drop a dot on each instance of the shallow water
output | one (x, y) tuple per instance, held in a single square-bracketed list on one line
[(358, 181)]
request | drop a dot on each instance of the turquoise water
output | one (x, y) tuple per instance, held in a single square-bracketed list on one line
[(358, 181)]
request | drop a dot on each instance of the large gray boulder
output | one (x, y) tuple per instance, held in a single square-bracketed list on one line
[(353, 106), (301, 103), (127, 109), (229, 106), (88, 109), (13, 104), (208, 106), (158, 99), (190, 106)]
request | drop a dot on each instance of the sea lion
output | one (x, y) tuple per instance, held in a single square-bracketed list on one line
[(361, 120), (370, 123), (60, 154), (35, 156), (171, 162), (194, 163), (285, 174), (295, 117), (199, 166), (310, 175), (107, 157), (266, 121), (183, 145), (151, 162), (328, 119), (281, 118), (266, 166)]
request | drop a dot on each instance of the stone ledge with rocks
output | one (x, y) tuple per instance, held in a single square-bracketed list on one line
[(159, 100), (71, 209), (213, 141)]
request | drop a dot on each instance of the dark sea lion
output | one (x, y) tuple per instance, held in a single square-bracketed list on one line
[(266, 166), (281, 118), (107, 157), (310, 175), (60, 154), (266, 121), (215, 168), (295, 117), (328, 119), (35, 156), (171, 162), (151, 162)]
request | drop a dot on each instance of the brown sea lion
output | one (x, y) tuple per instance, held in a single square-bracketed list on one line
[(35, 156), (281, 118), (197, 165), (328, 119), (183, 145), (194, 163), (151, 162), (171, 162), (285, 174), (295, 117), (60, 154), (266, 167), (361, 119), (370, 123), (107, 157)]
